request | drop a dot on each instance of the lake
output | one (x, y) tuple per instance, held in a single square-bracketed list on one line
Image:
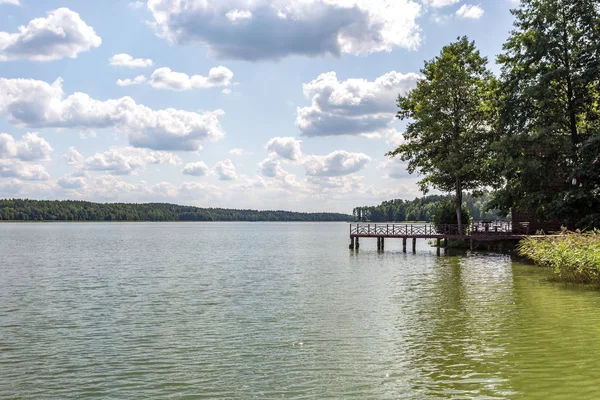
[(280, 310)]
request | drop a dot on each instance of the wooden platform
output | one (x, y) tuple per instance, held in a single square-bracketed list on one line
[(479, 231)]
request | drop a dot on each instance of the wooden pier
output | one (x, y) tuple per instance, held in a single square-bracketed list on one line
[(475, 232)]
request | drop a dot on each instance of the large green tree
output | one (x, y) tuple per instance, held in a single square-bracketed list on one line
[(451, 122), (550, 103)]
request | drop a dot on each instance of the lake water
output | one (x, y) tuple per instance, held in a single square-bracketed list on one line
[(280, 310)]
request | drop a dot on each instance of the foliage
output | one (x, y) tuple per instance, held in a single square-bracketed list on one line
[(574, 257), (421, 209), (33, 210), (445, 214), (451, 115), (549, 107)]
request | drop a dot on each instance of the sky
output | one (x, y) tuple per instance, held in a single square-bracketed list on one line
[(280, 104)]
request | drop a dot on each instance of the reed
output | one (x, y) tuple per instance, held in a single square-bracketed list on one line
[(574, 256)]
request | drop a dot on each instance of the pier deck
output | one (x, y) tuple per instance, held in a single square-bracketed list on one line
[(479, 231)]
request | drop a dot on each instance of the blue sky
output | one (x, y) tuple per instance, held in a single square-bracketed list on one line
[(282, 104)]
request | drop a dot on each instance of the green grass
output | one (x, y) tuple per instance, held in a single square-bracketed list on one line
[(574, 257)]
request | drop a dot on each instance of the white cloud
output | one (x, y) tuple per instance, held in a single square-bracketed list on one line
[(439, 3), (395, 169), (36, 103), (71, 181), (127, 160), (235, 15), (271, 167), (61, 34), (125, 60), (274, 29), (73, 157), (225, 170), (237, 152), (354, 106), (136, 4), (18, 169), (13, 2), (31, 147), (196, 169), (164, 78), (197, 190), (226, 91), (138, 80), (470, 11), (285, 147), (337, 163)]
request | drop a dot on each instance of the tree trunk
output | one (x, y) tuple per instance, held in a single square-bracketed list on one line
[(570, 93), (459, 204)]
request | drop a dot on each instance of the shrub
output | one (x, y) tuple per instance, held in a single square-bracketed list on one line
[(574, 257)]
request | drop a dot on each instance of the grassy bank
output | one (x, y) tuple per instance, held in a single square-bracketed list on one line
[(574, 257)]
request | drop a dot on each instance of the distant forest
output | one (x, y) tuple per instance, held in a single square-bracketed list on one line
[(35, 210), (421, 209)]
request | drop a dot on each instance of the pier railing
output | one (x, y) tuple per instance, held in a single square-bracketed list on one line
[(430, 230)]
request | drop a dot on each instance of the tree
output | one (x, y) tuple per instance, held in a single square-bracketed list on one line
[(451, 113), (549, 102)]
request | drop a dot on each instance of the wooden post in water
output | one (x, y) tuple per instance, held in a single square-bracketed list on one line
[(445, 242), (356, 244), (351, 243), (382, 244), (404, 245), (471, 244), (378, 243), (414, 245)]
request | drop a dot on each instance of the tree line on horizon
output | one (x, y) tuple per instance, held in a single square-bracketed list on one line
[(423, 209), (530, 135), (70, 210)]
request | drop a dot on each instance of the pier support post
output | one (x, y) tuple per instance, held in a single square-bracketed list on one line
[(404, 245), (382, 244), (378, 243), (445, 242), (351, 243), (471, 244), (414, 245), (356, 244)]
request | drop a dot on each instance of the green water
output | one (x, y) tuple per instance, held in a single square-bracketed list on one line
[(280, 310)]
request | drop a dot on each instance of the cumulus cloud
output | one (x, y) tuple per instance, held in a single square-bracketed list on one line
[(237, 152), (395, 169), (71, 182), (38, 104), (271, 167), (285, 147), (113, 161), (338, 163), (164, 78), (225, 170), (125, 60), (73, 157), (31, 147), (354, 106), (196, 169), (138, 80), (61, 34), (244, 30), (127, 160), (18, 169), (439, 3), (470, 11)]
